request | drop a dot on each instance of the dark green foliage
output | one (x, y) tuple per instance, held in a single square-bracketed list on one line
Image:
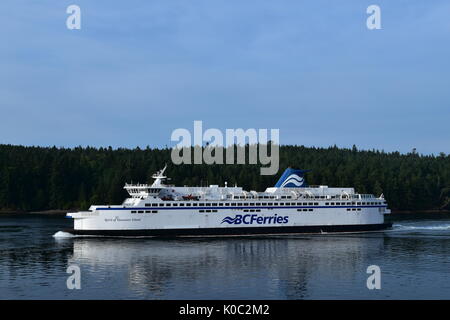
[(36, 178)]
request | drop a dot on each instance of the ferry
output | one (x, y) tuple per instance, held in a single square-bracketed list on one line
[(289, 207)]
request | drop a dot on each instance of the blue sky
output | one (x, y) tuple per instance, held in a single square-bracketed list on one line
[(139, 69)]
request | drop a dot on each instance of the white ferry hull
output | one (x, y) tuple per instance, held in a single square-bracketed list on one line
[(202, 232), (236, 221)]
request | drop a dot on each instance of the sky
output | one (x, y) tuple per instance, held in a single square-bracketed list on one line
[(139, 69)]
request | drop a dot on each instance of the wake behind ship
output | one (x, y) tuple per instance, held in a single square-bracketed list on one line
[(290, 207)]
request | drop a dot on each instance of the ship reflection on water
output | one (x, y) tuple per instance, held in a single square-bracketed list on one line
[(413, 258), (237, 268)]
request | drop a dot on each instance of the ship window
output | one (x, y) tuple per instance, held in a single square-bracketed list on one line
[(208, 211), (252, 204), (214, 204), (245, 210), (154, 204), (161, 204), (316, 203), (154, 211), (148, 204), (233, 204), (147, 211), (327, 203), (348, 209), (175, 204), (214, 211), (310, 209), (359, 209), (188, 204), (201, 204), (201, 211), (207, 204), (181, 204), (270, 204), (133, 211), (140, 211)]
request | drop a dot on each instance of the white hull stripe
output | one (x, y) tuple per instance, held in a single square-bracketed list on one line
[(258, 207)]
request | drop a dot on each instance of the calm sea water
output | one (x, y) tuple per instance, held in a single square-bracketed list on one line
[(414, 259)]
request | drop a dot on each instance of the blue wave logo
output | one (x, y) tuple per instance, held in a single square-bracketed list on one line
[(229, 220), (293, 179)]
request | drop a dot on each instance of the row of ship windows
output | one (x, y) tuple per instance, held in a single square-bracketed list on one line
[(258, 210), (282, 197), (245, 210), (259, 197), (257, 204)]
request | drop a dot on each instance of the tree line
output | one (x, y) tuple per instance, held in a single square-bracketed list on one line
[(44, 178)]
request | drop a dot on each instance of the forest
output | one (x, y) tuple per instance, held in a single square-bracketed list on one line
[(50, 178)]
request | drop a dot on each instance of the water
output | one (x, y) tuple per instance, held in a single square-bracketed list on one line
[(413, 257)]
